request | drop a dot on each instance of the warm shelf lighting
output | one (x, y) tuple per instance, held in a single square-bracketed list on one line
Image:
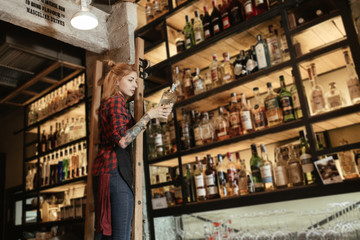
[(84, 19)]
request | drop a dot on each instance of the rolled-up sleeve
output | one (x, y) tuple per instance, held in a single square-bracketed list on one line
[(118, 118)]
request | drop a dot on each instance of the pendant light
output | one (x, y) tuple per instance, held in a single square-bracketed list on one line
[(84, 19)]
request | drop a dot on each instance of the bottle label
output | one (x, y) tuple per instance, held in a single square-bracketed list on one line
[(206, 131), (281, 178), (177, 192), (274, 50), (334, 101), (187, 40), (212, 190), (251, 64), (210, 179), (246, 120), (225, 20), (207, 33), (221, 177), (261, 57), (198, 35), (158, 141), (199, 181), (226, 77), (354, 88), (180, 44), (198, 84), (258, 2), (222, 132), (306, 163), (187, 82), (234, 119), (243, 184), (231, 175), (286, 105), (238, 69), (214, 75), (216, 27), (256, 175), (295, 98), (200, 192), (266, 174), (148, 11), (248, 7), (295, 173), (272, 106), (318, 100), (259, 116), (197, 134)]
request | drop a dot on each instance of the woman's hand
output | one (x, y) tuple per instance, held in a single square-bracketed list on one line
[(160, 111)]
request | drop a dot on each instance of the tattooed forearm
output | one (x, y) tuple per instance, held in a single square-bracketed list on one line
[(133, 132)]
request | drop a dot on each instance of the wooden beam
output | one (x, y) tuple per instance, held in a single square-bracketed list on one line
[(30, 92), (93, 140), (49, 80), (138, 157)]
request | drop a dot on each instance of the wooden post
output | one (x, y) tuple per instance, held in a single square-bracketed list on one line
[(95, 104), (137, 225)]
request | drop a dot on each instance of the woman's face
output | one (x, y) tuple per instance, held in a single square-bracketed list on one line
[(128, 84)]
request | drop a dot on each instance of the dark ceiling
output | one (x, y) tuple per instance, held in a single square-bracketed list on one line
[(32, 65)]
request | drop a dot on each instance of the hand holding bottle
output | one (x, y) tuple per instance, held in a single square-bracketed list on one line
[(160, 111)]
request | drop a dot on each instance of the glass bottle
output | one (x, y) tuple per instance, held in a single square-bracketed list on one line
[(306, 160), (177, 80), (158, 192), (286, 104), (232, 187), (224, 11), (333, 97), (169, 96), (262, 53), (235, 122), (242, 175), (226, 70), (211, 179), (295, 99), (185, 130), (251, 61), (273, 43), (255, 164), (188, 84), (179, 42), (169, 191), (156, 8), (266, 169), (260, 6), (177, 187), (235, 12), (221, 170), (216, 19), (247, 121), (238, 67), (274, 114), (207, 25), (222, 126), (207, 130), (347, 163), (198, 29), (172, 133), (296, 176), (317, 93), (258, 110), (199, 181), (43, 143), (190, 185), (215, 71), (198, 139), (198, 82), (319, 144), (281, 178), (188, 33), (208, 81), (158, 138), (248, 8), (353, 81)]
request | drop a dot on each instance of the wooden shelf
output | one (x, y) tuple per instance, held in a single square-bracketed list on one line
[(63, 186), (53, 223)]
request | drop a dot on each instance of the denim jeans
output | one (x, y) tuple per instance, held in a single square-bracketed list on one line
[(122, 205)]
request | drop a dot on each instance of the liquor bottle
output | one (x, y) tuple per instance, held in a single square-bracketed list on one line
[(258, 111), (215, 71), (160, 191), (169, 191), (188, 84), (198, 82), (221, 170), (241, 175), (199, 181), (221, 126), (198, 29), (274, 114), (317, 93), (347, 162), (262, 53), (149, 11), (185, 130), (49, 144), (169, 96), (207, 130), (333, 97), (232, 187), (238, 67), (43, 143), (286, 104), (249, 8), (281, 178), (260, 6), (353, 81), (208, 82), (211, 179), (207, 25), (189, 185), (177, 187), (188, 33), (224, 11), (164, 5), (54, 142), (226, 71), (235, 122), (306, 160), (216, 19), (179, 42), (251, 62), (266, 169), (84, 159), (274, 44), (255, 163), (156, 8), (158, 138), (247, 122), (65, 164), (295, 99), (198, 139), (236, 12), (43, 172), (177, 80)]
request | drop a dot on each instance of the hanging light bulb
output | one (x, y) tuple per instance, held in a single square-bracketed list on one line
[(84, 19)]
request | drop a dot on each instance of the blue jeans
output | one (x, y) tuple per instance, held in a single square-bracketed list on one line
[(122, 205)]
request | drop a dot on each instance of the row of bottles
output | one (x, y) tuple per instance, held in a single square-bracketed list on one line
[(154, 9), (64, 132), (62, 97)]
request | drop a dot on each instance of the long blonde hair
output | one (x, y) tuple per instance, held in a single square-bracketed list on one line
[(117, 72)]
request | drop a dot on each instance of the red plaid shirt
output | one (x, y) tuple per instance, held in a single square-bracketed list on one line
[(114, 120)]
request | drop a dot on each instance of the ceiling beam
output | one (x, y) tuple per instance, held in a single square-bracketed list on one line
[(16, 69)]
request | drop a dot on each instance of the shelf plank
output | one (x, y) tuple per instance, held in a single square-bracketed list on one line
[(63, 186)]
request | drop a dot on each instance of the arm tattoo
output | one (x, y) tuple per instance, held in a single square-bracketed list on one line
[(133, 132)]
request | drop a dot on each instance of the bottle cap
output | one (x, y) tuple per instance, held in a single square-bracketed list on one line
[(228, 154), (253, 146), (233, 94), (255, 89), (219, 157), (268, 84)]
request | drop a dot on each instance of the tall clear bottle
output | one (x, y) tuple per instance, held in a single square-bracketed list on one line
[(215, 70), (235, 122), (221, 171), (188, 84), (273, 43), (178, 80), (207, 129), (306, 160), (281, 178), (317, 92), (266, 169), (334, 97), (286, 103), (272, 107), (347, 163), (198, 29), (232, 187), (226, 70), (247, 122), (255, 164), (295, 173), (169, 97), (221, 126), (258, 110), (198, 82), (262, 53), (242, 173), (353, 81), (212, 190), (199, 181)]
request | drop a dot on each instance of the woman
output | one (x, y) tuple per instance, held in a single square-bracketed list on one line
[(112, 168)]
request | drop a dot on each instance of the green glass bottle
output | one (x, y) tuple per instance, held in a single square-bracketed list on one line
[(286, 103), (255, 164), (189, 33)]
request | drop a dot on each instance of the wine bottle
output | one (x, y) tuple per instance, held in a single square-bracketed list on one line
[(207, 25), (216, 21)]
